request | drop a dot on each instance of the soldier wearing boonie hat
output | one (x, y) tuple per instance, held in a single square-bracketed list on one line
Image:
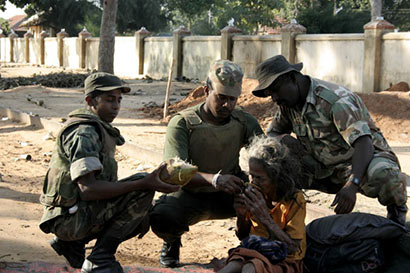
[(269, 70), (82, 198), (341, 148), (210, 136)]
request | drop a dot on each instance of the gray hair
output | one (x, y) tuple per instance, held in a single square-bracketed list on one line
[(279, 164)]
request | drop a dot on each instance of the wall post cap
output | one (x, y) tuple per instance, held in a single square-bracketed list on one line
[(182, 30), (28, 34), (231, 29), (12, 34), (379, 23), (293, 27), (62, 33), (43, 34), (143, 31), (84, 33)]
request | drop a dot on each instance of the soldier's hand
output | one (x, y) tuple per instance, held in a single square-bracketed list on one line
[(345, 199), (156, 184), (229, 183)]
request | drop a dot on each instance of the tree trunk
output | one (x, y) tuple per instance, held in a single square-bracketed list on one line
[(107, 37), (376, 9)]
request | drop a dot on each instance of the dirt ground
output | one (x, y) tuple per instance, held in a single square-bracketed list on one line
[(141, 123)]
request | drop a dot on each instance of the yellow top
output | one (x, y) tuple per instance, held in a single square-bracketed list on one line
[(290, 217)]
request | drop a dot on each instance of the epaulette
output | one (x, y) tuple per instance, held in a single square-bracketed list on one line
[(328, 95)]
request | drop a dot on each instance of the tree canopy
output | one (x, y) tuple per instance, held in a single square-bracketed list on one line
[(208, 17)]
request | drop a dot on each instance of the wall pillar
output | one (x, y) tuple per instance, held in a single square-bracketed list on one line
[(83, 35), (140, 35), (178, 34), (27, 37), (12, 37), (43, 35), (60, 51), (226, 41), (373, 33), (288, 35)]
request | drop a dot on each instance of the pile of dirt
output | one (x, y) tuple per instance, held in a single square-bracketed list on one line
[(389, 109), (401, 86), (58, 80)]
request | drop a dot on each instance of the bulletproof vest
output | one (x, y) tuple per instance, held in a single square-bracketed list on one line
[(215, 148), (58, 189)]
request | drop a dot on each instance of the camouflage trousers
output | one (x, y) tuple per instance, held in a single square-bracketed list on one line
[(121, 217), (383, 178)]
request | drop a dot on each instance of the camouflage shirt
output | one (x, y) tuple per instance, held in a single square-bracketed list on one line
[(86, 144), (331, 120)]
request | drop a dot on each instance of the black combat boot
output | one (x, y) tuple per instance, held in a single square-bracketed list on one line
[(72, 251), (102, 257), (170, 253), (397, 213)]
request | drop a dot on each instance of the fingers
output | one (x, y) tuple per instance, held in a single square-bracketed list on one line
[(343, 205), (159, 168), (335, 201), (229, 183), (160, 186)]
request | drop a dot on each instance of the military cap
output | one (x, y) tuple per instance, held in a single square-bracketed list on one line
[(270, 69), (102, 81), (226, 78)]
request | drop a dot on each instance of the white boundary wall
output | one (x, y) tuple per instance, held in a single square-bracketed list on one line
[(334, 57)]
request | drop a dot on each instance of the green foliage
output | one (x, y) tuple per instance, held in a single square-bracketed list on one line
[(322, 20), (92, 21), (134, 14), (209, 17), (397, 12), (57, 14), (4, 26)]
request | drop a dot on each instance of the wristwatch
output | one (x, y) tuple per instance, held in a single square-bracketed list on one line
[(356, 181)]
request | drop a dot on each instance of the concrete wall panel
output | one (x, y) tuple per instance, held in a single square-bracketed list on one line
[(5, 49), (198, 52), (249, 51), (71, 52), (19, 50), (125, 57), (395, 61), (91, 55), (51, 52), (35, 53), (332, 57), (157, 56)]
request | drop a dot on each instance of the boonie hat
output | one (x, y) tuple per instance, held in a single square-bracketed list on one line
[(103, 81), (270, 69), (226, 78)]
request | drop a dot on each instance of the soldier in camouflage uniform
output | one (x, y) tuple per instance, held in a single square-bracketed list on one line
[(81, 195), (343, 152), (208, 135)]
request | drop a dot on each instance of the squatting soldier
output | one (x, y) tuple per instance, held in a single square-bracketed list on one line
[(210, 136), (345, 152), (81, 195)]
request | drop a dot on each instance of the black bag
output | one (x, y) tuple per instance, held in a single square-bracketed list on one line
[(351, 257), (348, 243)]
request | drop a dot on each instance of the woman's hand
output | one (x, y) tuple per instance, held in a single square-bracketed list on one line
[(256, 203)]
